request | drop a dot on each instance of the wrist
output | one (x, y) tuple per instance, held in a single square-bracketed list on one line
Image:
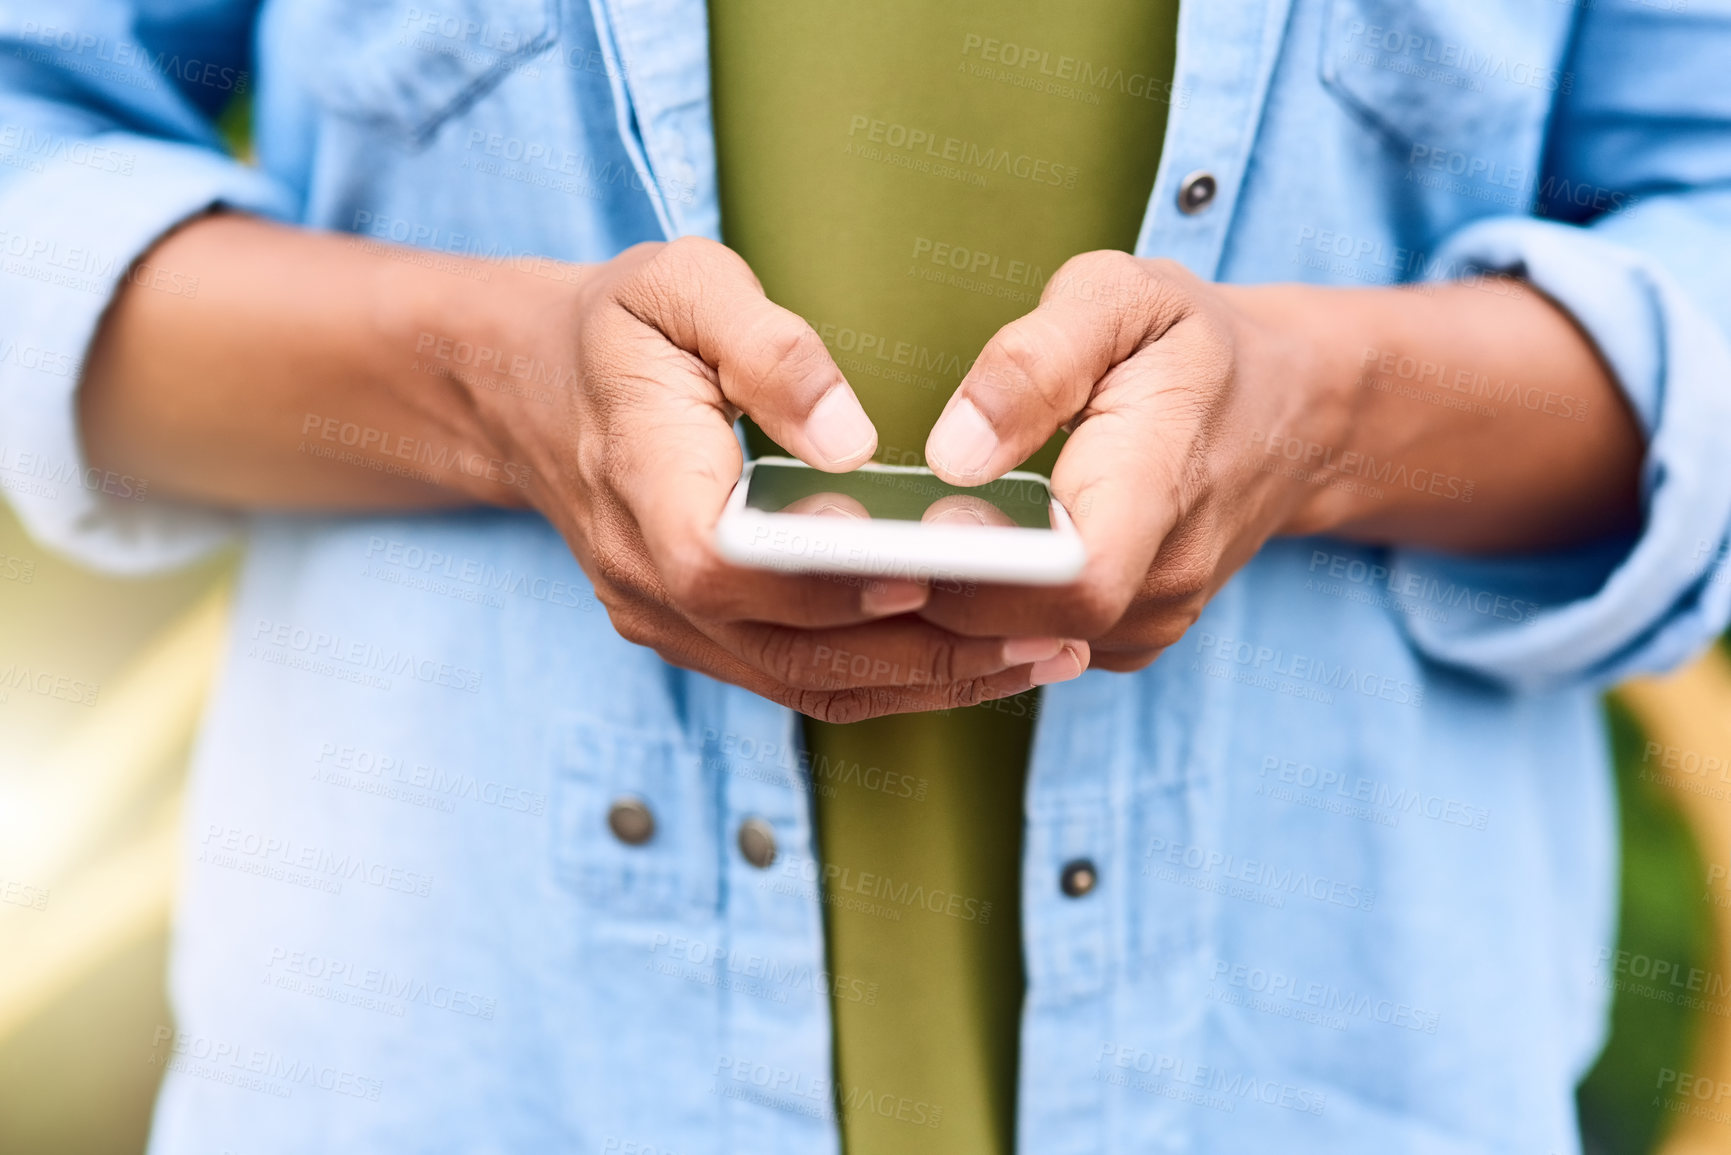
[(1306, 352), (465, 342)]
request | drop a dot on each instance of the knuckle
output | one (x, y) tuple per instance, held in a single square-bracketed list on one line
[(1094, 611), (969, 693), (632, 625), (778, 340), (1127, 661), (777, 654), (1022, 351), (837, 708), (1166, 631), (943, 663), (692, 578), (1185, 582)]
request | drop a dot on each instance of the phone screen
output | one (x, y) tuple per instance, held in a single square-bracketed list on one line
[(922, 497)]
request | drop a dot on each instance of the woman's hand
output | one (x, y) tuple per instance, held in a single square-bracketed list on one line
[(1206, 419)]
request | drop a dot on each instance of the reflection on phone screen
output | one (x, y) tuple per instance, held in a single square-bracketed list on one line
[(899, 497)]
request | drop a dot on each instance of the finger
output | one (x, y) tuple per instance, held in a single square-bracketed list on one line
[(1037, 373), (677, 460), (903, 652), (681, 644), (858, 705), (769, 362)]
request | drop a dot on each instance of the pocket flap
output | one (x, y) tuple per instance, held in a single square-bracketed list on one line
[(408, 67), (1445, 75)]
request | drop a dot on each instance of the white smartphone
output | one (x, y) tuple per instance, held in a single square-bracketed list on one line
[(898, 521)]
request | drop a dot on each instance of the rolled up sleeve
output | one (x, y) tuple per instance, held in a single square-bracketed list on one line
[(1634, 241), (98, 161)]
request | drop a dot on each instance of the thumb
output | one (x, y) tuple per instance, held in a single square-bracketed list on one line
[(1036, 374), (770, 364)]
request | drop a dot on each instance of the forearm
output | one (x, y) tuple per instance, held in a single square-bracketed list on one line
[(311, 372), (1480, 419)]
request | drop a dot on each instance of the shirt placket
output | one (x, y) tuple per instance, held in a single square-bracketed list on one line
[(773, 1068)]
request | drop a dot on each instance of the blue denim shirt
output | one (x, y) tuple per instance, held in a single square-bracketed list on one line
[(1353, 834)]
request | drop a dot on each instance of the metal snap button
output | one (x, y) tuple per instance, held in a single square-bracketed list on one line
[(1078, 877), (757, 842), (631, 820), (1197, 192)]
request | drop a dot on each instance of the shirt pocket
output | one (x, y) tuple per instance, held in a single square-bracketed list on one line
[(1441, 78), (406, 68), (671, 873)]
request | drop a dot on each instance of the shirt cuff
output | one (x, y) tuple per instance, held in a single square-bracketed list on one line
[(1612, 609), (73, 233)]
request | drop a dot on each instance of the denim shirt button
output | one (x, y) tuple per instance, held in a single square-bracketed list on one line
[(1197, 192), (631, 821), (1078, 877), (757, 842)]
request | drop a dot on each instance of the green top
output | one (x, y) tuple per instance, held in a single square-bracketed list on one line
[(906, 175)]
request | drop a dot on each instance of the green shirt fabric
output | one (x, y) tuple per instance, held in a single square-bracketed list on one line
[(906, 176)]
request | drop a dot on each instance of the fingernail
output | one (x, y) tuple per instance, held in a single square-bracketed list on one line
[(882, 598), (1021, 651), (963, 442), (839, 429), (1062, 668)]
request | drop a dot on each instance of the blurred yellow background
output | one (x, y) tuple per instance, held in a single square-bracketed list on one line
[(90, 801)]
